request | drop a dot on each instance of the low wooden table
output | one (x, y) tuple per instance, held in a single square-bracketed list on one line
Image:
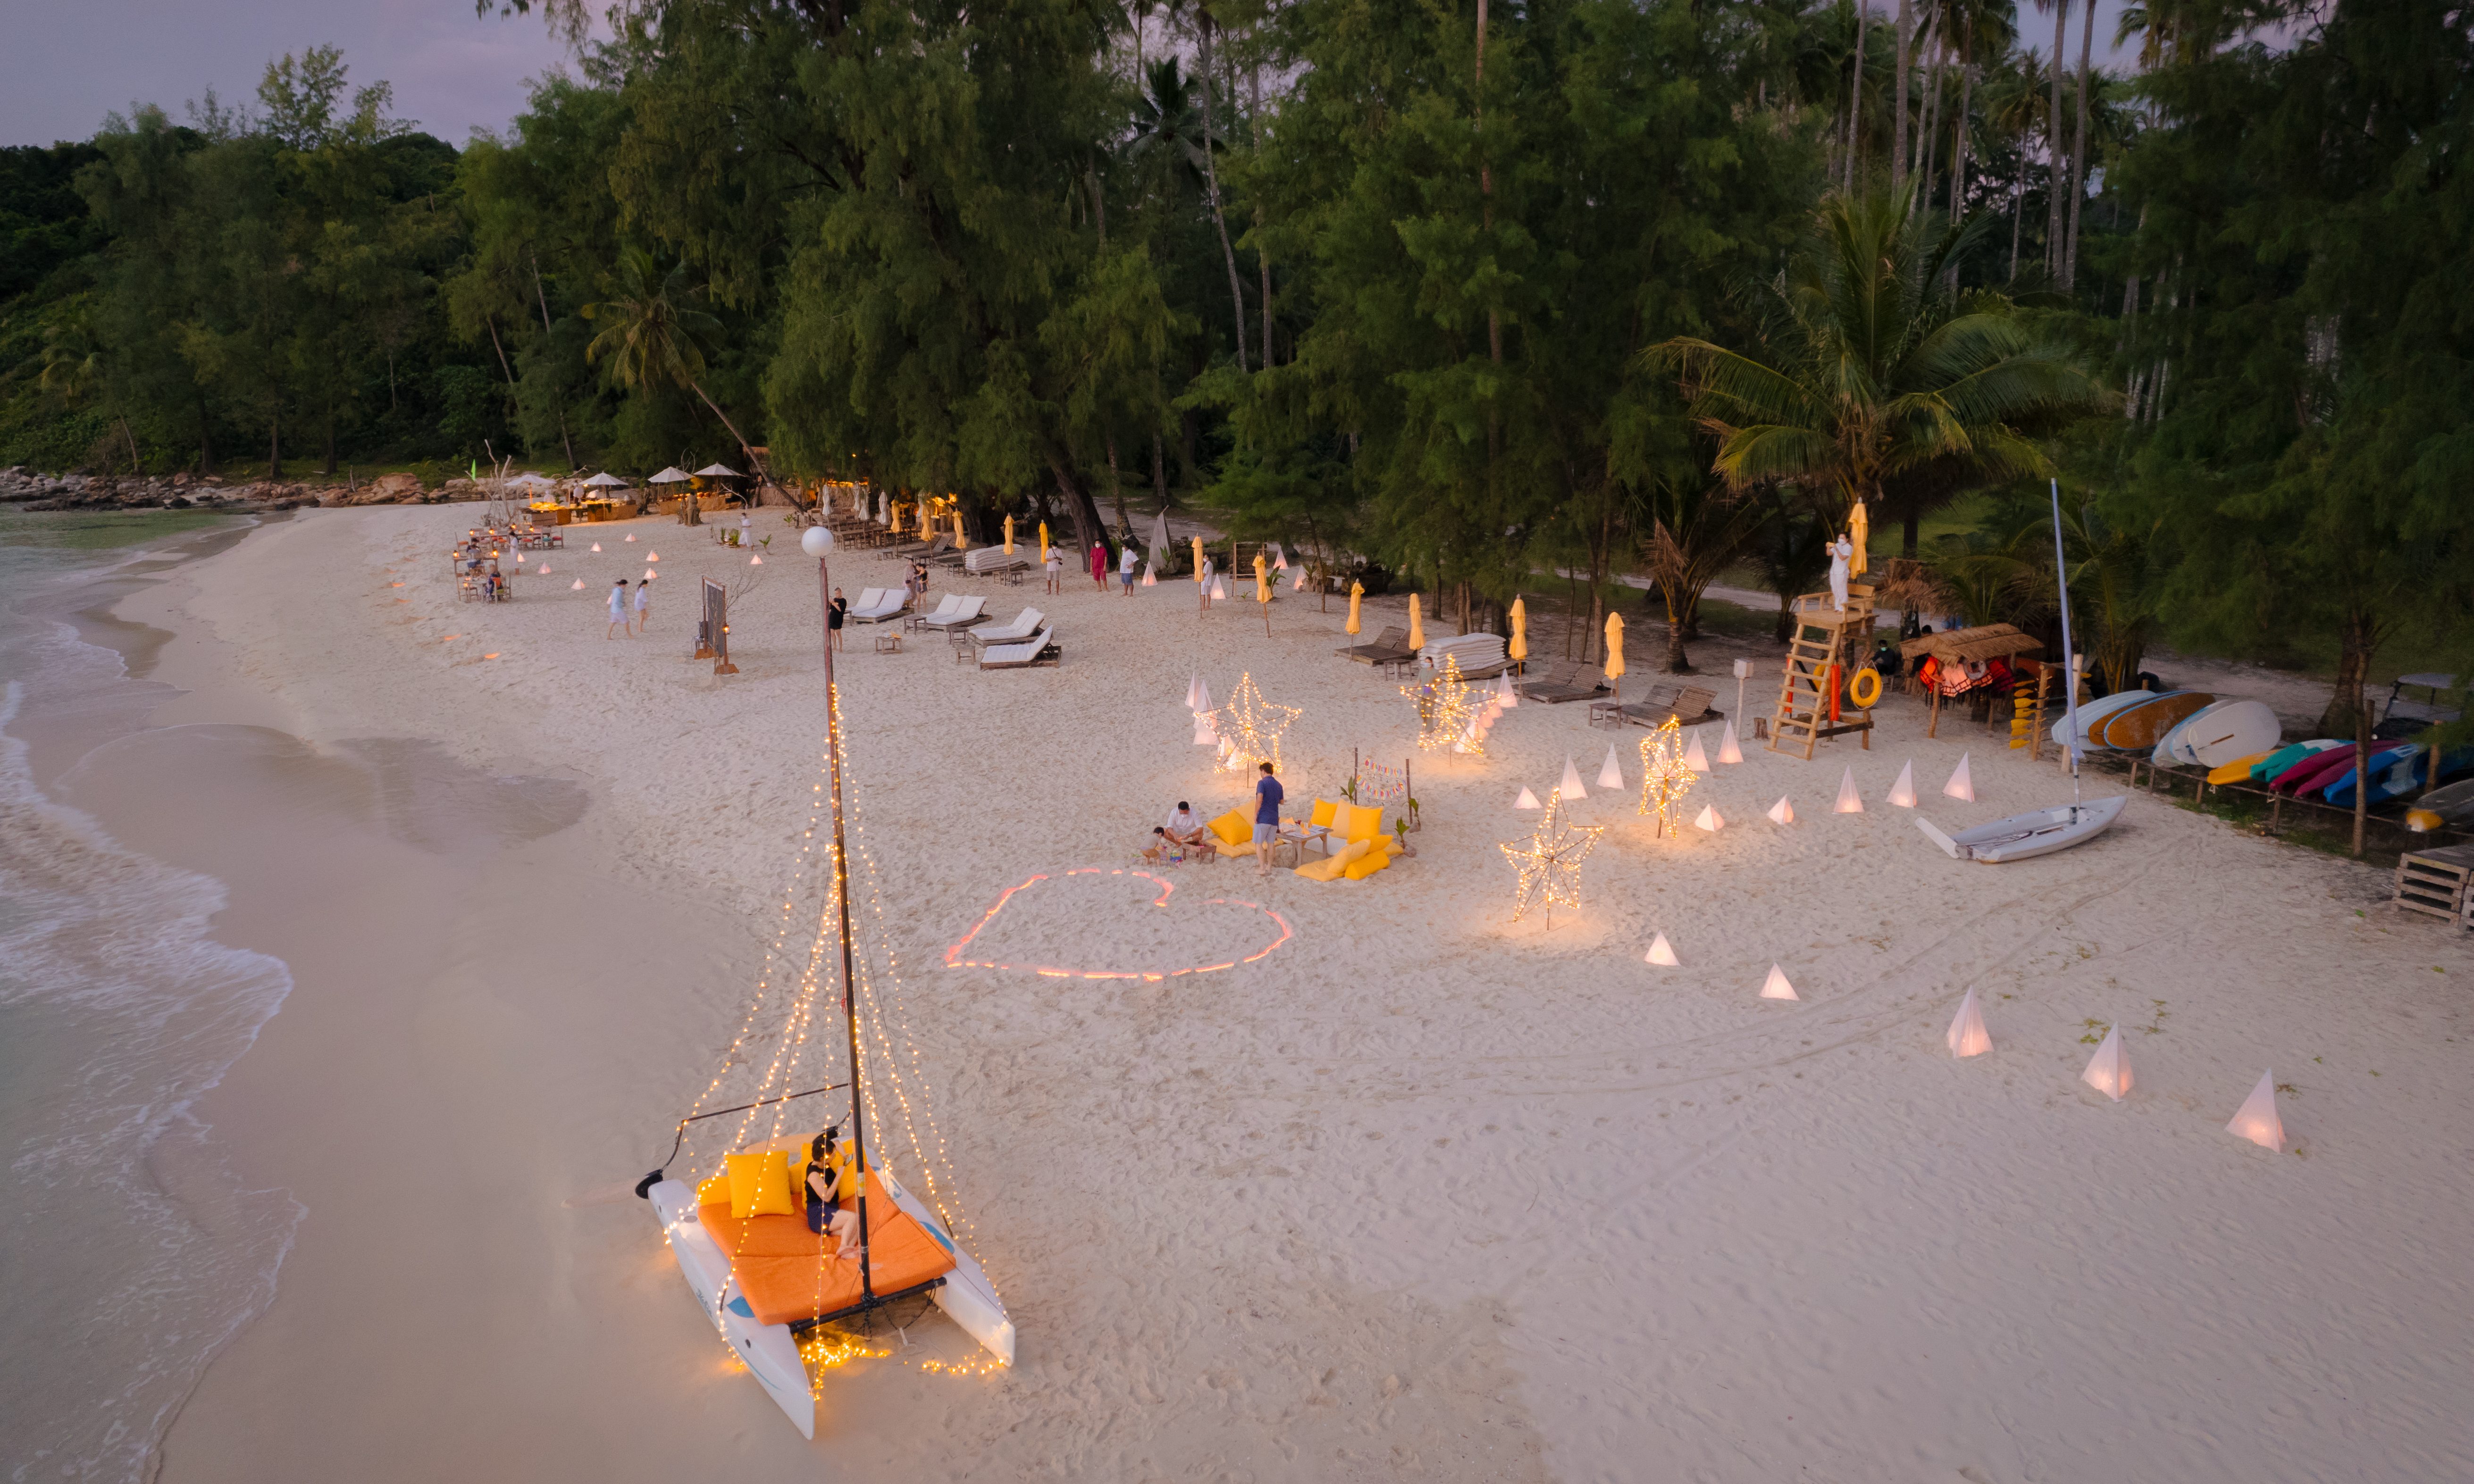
[(889, 643)]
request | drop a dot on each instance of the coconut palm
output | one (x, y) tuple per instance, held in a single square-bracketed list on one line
[(1867, 379), (1697, 528), (651, 336)]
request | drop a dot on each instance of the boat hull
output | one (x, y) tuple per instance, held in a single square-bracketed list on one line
[(2026, 836), (966, 1296), (769, 1350)]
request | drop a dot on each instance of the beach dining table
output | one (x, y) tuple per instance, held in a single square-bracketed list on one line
[(1292, 839)]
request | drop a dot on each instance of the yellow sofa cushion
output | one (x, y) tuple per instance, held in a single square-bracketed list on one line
[(1234, 828), (759, 1184), (1358, 823), (1325, 811), (1330, 867), (715, 1191), (1366, 865)]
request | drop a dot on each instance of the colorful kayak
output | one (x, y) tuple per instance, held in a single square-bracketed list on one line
[(2273, 767), (2135, 728), (2334, 767), (2402, 776)]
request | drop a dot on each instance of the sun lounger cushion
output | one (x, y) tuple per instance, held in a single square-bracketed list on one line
[(759, 1184), (1330, 867), (1325, 811), (788, 1273), (1377, 856), (1234, 828)]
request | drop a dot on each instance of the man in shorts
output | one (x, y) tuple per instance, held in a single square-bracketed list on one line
[(1268, 795)]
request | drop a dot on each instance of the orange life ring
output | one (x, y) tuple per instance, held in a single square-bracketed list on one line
[(1856, 691)]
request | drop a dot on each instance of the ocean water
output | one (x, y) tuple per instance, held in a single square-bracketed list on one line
[(129, 1254)]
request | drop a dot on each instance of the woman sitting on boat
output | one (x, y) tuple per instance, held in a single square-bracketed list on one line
[(831, 1179)]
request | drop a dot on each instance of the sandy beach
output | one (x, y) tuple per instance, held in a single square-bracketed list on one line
[(1421, 1194)]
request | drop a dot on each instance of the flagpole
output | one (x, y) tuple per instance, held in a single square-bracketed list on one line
[(2070, 670)]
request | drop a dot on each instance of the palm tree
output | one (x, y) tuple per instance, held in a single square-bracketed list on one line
[(651, 338), (1696, 528), (1868, 379)]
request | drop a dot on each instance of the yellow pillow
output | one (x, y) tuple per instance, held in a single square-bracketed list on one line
[(759, 1184), (1330, 867), (715, 1191), (1361, 824), (1324, 811), (1233, 828), (1366, 865)]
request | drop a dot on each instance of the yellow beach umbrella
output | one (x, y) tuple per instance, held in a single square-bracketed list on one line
[(1615, 650), (1043, 544), (1197, 559), (1859, 531), (1356, 593), (1417, 629), (960, 539), (1009, 536), (1519, 649), (1262, 580)]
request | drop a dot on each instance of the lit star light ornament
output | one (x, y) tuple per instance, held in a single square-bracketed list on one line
[(1447, 709), (1549, 861), (1251, 726), (1664, 779)]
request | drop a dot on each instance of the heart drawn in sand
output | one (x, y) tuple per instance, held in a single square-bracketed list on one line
[(1089, 912)]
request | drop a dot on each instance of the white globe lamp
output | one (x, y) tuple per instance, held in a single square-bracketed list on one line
[(817, 541)]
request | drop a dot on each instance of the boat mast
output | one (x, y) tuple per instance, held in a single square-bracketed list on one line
[(841, 899), (2069, 674)]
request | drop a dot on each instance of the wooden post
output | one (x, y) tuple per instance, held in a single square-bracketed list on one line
[(2362, 772)]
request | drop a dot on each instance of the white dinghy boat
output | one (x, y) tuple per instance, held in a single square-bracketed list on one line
[(2025, 836)]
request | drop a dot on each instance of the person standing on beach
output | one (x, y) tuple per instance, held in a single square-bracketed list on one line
[(1203, 580), (1100, 565), (618, 609), (1126, 570), (833, 618), (1056, 571), (1268, 795), (643, 604)]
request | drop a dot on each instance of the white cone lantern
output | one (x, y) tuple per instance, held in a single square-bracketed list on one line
[(1219, 589), (1571, 784), (1506, 695), (1610, 773), (2257, 1122), (1710, 819), (1527, 800), (756, 561), (1728, 751), (1662, 952), (1777, 987), (596, 545), (1782, 812), (1960, 786), (1202, 696), (1902, 793), (2108, 1071), (650, 574), (1693, 758), (544, 572), (1150, 579), (1850, 802), (1967, 1035), (577, 586), (1194, 694), (631, 536), (651, 556)]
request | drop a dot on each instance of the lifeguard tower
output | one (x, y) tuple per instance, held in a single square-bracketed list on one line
[(1829, 643)]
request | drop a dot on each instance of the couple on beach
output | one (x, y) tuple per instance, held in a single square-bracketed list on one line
[(618, 606), (1186, 828)]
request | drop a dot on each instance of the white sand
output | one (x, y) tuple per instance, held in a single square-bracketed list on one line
[(1421, 1194)]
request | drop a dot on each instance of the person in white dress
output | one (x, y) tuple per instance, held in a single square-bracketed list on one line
[(643, 602), (1842, 552), (618, 609)]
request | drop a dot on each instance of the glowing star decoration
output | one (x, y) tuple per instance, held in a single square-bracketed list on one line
[(1611, 773), (1776, 986), (1448, 710), (1664, 779), (1253, 726), (1549, 861), (1527, 800), (1693, 758), (2257, 1119), (1960, 786), (1662, 952), (1850, 802), (2108, 1071), (1902, 793), (1782, 812), (1710, 819), (1967, 1035), (1728, 751)]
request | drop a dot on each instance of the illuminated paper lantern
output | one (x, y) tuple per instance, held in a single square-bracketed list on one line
[(1902, 793), (631, 536), (1850, 802), (650, 574), (1728, 751), (545, 570), (1527, 800), (1967, 1035), (1201, 691), (1693, 758), (1610, 773), (2257, 1122), (1775, 986), (1960, 786), (1203, 734), (596, 545), (1150, 579), (577, 586), (1661, 952), (1710, 819), (756, 561), (1300, 586), (650, 556), (1506, 694), (1782, 812), (1279, 558), (1218, 587), (1571, 786), (2108, 1071)]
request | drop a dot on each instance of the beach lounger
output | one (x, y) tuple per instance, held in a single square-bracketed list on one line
[(1389, 646), (988, 561), (1687, 704), (1034, 651), (926, 551), (876, 605), (1565, 680), (955, 612), (1480, 655), (1025, 624)]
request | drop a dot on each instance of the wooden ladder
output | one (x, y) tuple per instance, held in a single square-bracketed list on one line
[(1826, 640)]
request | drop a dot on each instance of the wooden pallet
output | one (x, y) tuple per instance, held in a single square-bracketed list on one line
[(2435, 880), (1827, 639)]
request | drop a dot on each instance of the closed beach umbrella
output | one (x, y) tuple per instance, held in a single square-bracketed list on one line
[(1356, 592), (1615, 645), (1197, 559), (1043, 544), (1262, 580), (1859, 528), (960, 539), (1416, 629), (1519, 649), (1009, 536)]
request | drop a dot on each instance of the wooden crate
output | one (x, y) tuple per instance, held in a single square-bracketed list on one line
[(2435, 880)]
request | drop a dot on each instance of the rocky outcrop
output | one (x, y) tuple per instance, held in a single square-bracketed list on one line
[(190, 491)]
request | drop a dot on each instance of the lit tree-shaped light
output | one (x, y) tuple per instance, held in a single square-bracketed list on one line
[(1448, 707), (1549, 861), (1664, 779), (1252, 725)]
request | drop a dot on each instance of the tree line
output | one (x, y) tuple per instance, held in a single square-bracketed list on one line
[(1469, 293)]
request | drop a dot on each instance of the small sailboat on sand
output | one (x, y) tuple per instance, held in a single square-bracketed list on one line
[(775, 1266), (2040, 831)]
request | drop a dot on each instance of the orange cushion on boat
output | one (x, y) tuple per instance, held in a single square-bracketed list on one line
[(788, 1273), (760, 1184)]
